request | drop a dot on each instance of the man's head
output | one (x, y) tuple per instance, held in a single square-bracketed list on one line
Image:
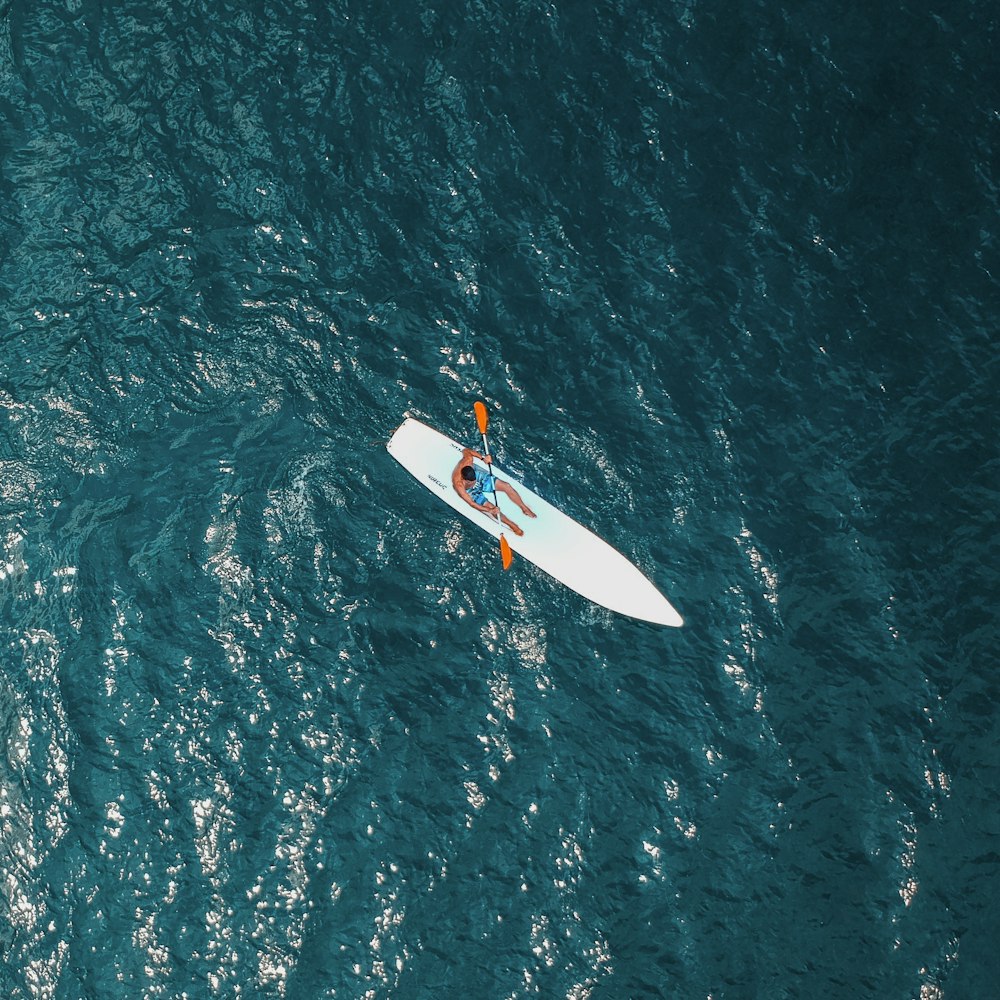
[(468, 473)]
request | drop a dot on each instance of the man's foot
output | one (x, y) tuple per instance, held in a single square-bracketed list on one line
[(513, 527), (527, 512)]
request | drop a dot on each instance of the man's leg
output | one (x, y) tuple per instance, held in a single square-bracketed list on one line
[(504, 487), (491, 511)]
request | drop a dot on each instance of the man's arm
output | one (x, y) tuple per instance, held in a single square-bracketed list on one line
[(470, 453)]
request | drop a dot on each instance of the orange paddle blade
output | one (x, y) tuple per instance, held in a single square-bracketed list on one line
[(506, 556), (482, 417)]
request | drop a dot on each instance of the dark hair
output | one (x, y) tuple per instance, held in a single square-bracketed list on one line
[(468, 473)]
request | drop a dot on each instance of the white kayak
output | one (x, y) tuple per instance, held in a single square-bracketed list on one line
[(552, 540)]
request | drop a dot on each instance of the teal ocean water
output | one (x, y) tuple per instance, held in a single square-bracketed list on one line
[(274, 724)]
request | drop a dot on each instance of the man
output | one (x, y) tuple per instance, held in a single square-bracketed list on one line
[(472, 485)]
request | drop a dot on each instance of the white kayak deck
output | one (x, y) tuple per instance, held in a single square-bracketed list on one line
[(552, 540)]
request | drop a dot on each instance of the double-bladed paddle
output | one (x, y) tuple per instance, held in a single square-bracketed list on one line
[(482, 418)]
